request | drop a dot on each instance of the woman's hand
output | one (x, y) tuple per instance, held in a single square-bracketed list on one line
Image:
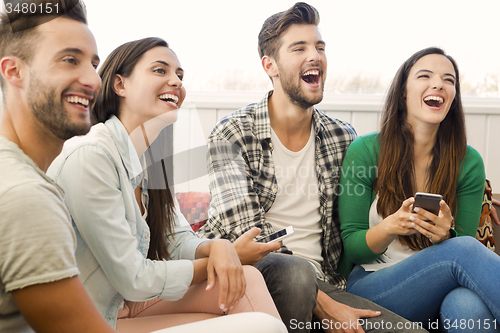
[(250, 251), (224, 263), (401, 222), (380, 236), (436, 228)]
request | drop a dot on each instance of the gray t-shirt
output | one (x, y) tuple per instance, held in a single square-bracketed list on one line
[(37, 241)]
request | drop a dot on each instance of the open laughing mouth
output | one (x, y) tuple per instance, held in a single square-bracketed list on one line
[(311, 76), (434, 101), (169, 98), (79, 101)]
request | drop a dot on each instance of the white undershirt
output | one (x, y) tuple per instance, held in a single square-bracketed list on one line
[(297, 200), (395, 251)]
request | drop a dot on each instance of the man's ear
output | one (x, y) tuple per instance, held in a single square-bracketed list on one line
[(119, 85), (270, 66), (12, 70)]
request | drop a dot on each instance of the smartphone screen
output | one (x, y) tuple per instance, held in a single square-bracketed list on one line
[(274, 236)]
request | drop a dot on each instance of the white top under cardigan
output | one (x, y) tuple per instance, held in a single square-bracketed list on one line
[(395, 251)]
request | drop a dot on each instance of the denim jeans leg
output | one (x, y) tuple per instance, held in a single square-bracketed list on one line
[(416, 287), (464, 311), (291, 281), (387, 322)]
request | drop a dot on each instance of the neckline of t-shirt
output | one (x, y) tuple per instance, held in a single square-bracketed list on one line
[(288, 151)]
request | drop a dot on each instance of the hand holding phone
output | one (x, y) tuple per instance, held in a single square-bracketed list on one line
[(429, 202), (276, 236)]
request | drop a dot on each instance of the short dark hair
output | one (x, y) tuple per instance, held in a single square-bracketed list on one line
[(18, 33), (121, 61), (274, 27)]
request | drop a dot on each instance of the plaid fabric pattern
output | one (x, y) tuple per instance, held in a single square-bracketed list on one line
[(194, 206), (242, 178)]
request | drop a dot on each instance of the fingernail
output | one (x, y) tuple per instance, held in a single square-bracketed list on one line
[(412, 218), (413, 225), (231, 308), (416, 209), (208, 286)]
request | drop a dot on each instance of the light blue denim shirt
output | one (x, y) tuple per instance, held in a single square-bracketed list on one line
[(99, 173)]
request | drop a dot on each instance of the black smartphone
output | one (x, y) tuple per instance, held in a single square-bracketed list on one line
[(428, 201), (276, 236)]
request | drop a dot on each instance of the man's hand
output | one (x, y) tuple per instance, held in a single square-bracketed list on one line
[(335, 312), (250, 251)]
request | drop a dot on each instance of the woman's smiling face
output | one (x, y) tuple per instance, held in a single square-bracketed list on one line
[(430, 89), (155, 86)]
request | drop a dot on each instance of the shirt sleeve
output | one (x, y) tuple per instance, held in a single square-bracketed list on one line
[(234, 202), (105, 218), (359, 170), (184, 242), (36, 237), (470, 191)]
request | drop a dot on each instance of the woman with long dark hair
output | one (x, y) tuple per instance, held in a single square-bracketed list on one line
[(135, 251), (408, 259)]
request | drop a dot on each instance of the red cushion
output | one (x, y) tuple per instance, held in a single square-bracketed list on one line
[(194, 207)]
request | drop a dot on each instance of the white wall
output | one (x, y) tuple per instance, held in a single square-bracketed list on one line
[(202, 110)]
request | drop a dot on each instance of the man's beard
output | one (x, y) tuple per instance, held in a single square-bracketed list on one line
[(294, 91), (52, 114)]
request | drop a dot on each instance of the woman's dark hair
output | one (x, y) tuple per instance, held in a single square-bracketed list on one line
[(160, 217), (121, 61), (396, 167)]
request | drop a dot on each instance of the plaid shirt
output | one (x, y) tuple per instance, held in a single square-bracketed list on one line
[(243, 184)]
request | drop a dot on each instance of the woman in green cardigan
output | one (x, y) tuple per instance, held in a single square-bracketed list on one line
[(410, 261)]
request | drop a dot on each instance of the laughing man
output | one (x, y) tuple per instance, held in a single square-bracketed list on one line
[(276, 163), (49, 82)]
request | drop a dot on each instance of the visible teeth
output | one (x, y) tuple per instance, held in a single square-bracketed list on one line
[(312, 72), (76, 99), (434, 98), (174, 98)]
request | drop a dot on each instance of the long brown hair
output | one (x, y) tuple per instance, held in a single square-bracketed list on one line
[(160, 218), (396, 168)]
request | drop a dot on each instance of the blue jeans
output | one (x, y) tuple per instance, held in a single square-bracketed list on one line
[(292, 283), (445, 285)]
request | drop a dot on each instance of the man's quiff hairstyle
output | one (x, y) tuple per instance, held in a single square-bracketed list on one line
[(276, 25), (18, 31)]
